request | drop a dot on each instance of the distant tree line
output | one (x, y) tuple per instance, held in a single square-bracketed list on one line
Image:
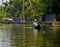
[(31, 8)]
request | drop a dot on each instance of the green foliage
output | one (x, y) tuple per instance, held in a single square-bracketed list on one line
[(31, 7), (3, 14)]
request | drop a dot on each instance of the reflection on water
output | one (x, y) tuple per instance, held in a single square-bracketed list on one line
[(17, 36), (13, 36), (4, 37)]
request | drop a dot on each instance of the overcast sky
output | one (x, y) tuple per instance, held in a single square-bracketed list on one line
[(3, 0)]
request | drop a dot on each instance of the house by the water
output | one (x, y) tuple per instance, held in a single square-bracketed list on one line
[(48, 17), (52, 18)]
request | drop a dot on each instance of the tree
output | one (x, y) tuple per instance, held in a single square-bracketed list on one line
[(32, 7), (56, 9), (3, 14)]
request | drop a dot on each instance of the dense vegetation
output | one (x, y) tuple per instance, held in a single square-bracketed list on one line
[(30, 7)]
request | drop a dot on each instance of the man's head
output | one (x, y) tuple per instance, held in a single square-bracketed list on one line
[(35, 20)]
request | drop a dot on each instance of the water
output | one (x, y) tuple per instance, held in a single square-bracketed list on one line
[(13, 36), (4, 37)]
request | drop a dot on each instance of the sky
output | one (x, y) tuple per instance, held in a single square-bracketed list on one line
[(3, 0)]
